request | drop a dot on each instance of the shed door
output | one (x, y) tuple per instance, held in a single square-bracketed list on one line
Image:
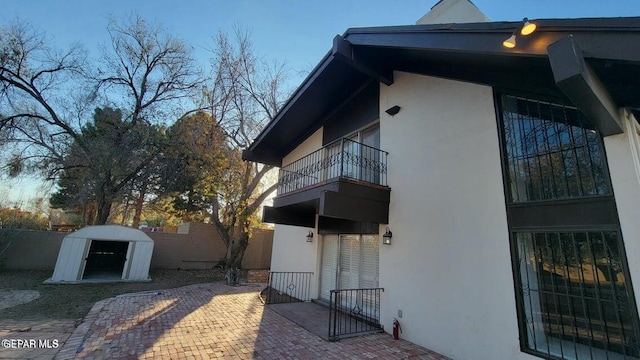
[(106, 259)]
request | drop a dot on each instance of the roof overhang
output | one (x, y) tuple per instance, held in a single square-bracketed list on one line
[(595, 63)]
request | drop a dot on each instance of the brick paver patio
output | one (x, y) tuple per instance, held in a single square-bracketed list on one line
[(212, 321)]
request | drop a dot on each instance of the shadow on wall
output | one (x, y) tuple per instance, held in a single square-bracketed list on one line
[(194, 246)]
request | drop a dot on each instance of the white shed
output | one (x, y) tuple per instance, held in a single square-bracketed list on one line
[(104, 253)]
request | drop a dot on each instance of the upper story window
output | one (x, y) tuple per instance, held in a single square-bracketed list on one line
[(552, 152), (573, 294)]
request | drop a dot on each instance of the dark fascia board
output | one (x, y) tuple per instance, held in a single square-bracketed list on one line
[(606, 38), (579, 24), (583, 87), (336, 205), (284, 216), (343, 50), (308, 81)]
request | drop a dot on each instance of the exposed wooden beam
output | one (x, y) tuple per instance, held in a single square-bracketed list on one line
[(582, 86), (343, 51)]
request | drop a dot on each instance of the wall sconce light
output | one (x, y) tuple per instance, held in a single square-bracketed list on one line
[(310, 236), (386, 238), (393, 110), (527, 28), (510, 42)]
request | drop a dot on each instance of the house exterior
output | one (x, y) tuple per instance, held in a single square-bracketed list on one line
[(508, 180)]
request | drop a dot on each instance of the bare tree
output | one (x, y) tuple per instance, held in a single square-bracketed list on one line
[(39, 91), (147, 71), (47, 96), (245, 95)]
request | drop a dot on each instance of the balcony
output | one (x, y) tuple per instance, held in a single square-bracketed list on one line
[(345, 180), (344, 158)]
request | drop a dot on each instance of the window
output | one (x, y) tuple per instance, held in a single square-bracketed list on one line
[(574, 298), (357, 156), (552, 152)]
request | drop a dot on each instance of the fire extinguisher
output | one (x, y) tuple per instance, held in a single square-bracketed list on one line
[(396, 329)]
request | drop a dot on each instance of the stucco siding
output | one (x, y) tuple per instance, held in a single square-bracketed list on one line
[(623, 165), (311, 144), (448, 268), (291, 251)]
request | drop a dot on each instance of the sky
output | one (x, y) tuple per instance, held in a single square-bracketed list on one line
[(294, 31)]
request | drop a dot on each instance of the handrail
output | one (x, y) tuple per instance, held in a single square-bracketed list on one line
[(288, 286), (341, 158), (354, 311)]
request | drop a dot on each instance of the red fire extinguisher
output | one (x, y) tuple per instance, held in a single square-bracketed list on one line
[(396, 329)]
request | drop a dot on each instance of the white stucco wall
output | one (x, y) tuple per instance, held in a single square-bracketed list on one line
[(311, 144), (624, 167), (291, 251), (448, 268)]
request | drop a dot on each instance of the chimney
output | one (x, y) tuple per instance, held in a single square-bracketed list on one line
[(453, 11)]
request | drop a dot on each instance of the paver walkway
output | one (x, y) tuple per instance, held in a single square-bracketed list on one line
[(40, 339), (212, 321)]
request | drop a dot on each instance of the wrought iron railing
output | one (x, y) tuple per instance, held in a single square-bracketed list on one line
[(354, 311), (287, 287), (342, 158)]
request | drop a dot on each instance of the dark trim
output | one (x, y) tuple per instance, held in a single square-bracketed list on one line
[(343, 51), (360, 110), (598, 212), (306, 194), (464, 52), (347, 207), (601, 212), (264, 158), (605, 38), (306, 84), (328, 226), (340, 198), (295, 217), (340, 185), (583, 87), (513, 251)]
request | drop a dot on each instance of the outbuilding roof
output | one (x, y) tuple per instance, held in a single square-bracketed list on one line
[(110, 232)]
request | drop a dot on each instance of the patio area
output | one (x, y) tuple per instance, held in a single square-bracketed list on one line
[(214, 321)]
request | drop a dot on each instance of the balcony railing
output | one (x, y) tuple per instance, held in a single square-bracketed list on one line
[(354, 311), (342, 158)]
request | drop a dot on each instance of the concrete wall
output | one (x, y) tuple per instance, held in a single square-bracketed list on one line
[(449, 267), (292, 252), (258, 252), (31, 250), (623, 155), (199, 248)]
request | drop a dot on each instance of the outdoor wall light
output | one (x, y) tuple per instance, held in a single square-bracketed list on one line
[(393, 110), (527, 28), (386, 238), (310, 236), (510, 42)]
